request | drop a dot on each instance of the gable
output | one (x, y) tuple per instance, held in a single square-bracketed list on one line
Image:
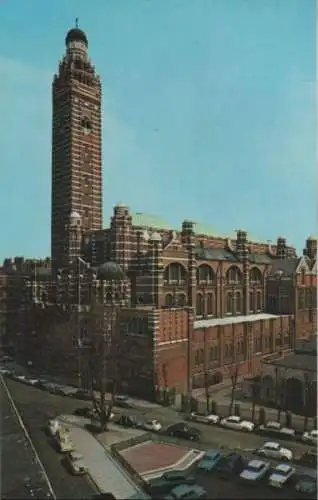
[(302, 265)]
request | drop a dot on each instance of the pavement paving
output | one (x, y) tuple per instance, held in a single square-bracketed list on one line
[(107, 474)]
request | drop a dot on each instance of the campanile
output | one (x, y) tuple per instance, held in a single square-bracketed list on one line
[(76, 148)]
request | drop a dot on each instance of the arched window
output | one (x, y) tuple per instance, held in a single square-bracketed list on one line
[(229, 303), (205, 274), (234, 276), (259, 301), (169, 300), (238, 303), (210, 303), (200, 305), (252, 302), (255, 276), (301, 299), (175, 273), (182, 300)]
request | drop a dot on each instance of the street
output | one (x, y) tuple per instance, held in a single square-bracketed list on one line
[(36, 407)]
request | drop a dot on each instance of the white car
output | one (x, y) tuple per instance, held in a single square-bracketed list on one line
[(31, 381), (281, 475), (206, 419), (152, 425), (255, 470), (74, 462), (54, 427), (3, 371), (310, 437), (275, 450), (234, 422), (21, 378), (64, 443)]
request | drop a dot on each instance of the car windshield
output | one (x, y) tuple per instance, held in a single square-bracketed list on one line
[(255, 468), (283, 471)]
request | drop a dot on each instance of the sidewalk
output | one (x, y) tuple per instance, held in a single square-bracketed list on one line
[(106, 473)]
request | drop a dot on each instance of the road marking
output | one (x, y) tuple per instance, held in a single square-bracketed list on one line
[(27, 435)]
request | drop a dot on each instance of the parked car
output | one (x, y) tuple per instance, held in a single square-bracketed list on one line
[(281, 475), (129, 421), (82, 394), (4, 371), (230, 465), (122, 402), (310, 437), (31, 381), (204, 419), (152, 425), (272, 449), (306, 487), (64, 442), (255, 471), (54, 426), (309, 458), (237, 423), (209, 461), (185, 492), (74, 463), (275, 429), (169, 480), (84, 412), (181, 430)]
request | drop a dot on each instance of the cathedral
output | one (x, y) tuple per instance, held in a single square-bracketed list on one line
[(191, 303)]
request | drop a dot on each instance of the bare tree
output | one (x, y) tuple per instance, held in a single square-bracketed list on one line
[(308, 390), (207, 390), (234, 371), (104, 360)]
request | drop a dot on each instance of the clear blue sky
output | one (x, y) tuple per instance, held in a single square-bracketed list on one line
[(209, 112)]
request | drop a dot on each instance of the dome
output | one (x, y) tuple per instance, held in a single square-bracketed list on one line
[(110, 271), (155, 237), (75, 215), (76, 35)]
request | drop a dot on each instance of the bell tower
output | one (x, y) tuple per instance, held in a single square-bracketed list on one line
[(76, 147)]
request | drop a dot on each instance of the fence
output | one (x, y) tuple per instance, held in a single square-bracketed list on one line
[(115, 450)]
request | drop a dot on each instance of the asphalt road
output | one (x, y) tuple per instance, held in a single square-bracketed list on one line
[(21, 473), (216, 436), (36, 407)]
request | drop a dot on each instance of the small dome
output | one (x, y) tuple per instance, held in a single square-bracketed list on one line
[(75, 215), (121, 205), (155, 237), (76, 35), (110, 271)]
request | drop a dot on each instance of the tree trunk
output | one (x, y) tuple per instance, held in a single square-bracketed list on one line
[(232, 400), (207, 393)]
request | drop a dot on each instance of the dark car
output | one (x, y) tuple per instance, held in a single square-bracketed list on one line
[(82, 394), (309, 458), (129, 421), (306, 487), (182, 430), (168, 481), (84, 412), (122, 402), (231, 465), (275, 429)]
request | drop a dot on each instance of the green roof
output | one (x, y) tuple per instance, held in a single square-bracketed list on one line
[(140, 219), (206, 230)]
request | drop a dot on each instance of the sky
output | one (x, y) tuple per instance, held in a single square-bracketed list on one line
[(209, 113)]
